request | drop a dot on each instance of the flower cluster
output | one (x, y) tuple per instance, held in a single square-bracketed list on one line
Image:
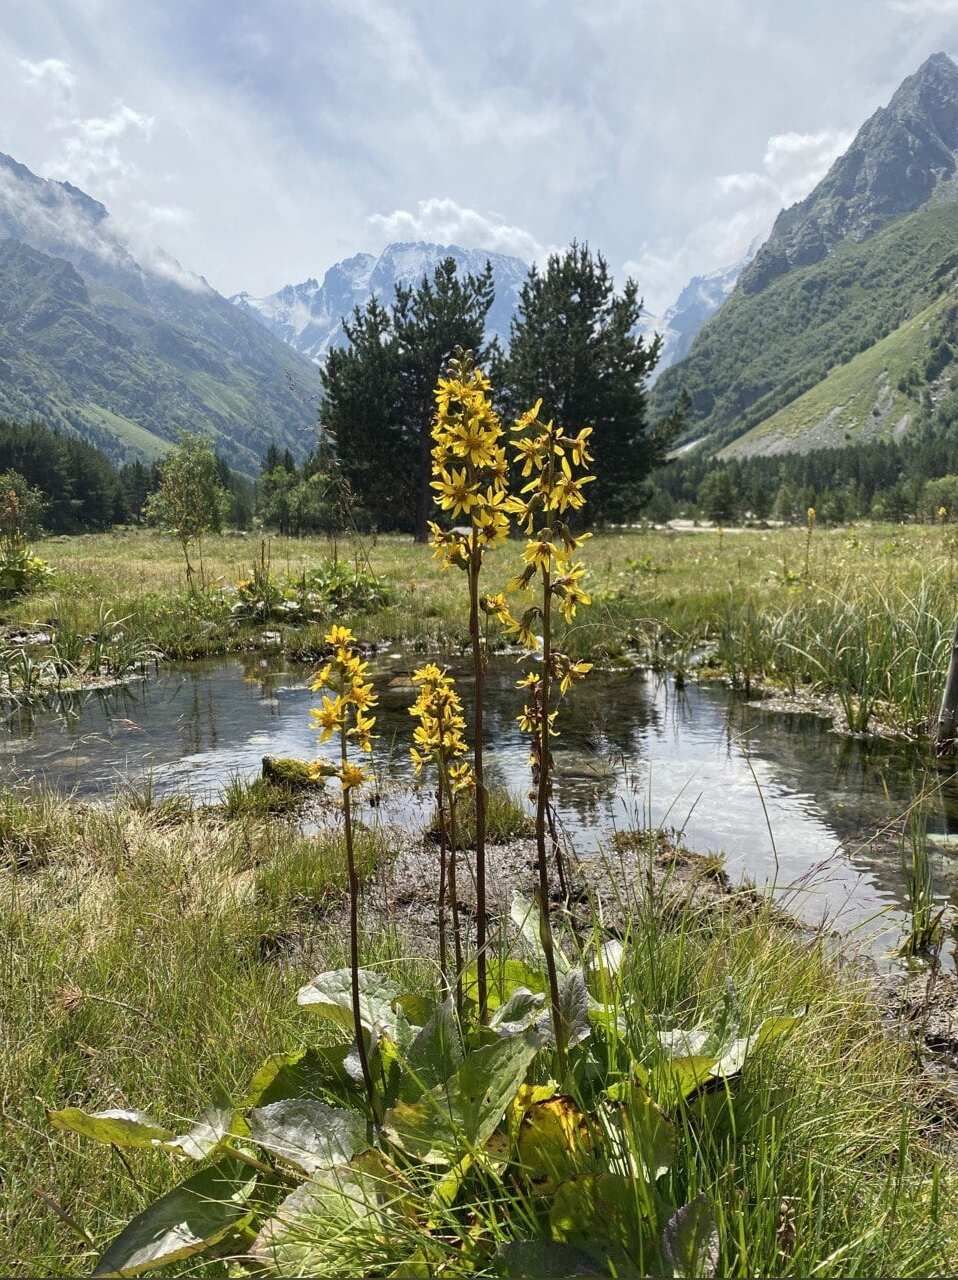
[(438, 736), (346, 711), (550, 459), (469, 465)]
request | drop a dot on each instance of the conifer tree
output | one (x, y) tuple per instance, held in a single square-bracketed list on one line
[(378, 404), (574, 343)]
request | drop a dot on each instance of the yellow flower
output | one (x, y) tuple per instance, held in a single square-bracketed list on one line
[(361, 730), (538, 553), (328, 717), (321, 678), (461, 777), (530, 453), (456, 494), (362, 695), (529, 417), (474, 442), (575, 671), (429, 674), (351, 775), (338, 636), (578, 447), (567, 492)]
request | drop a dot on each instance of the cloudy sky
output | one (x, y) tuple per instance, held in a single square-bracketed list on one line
[(261, 140)]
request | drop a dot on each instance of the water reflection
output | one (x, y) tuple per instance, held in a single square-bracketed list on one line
[(780, 795)]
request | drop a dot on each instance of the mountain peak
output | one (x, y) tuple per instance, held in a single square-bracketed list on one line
[(903, 155), (309, 316)]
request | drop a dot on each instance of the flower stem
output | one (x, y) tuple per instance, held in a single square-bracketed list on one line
[(475, 564), (354, 934), (453, 887), (441, 905), (542, 800)]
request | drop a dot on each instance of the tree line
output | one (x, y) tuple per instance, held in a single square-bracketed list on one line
[(911, 479), (574, 342)]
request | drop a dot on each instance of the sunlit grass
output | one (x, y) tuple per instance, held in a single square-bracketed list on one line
[(151, 959)]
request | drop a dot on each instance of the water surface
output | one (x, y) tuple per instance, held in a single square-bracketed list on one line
[(782, 796)]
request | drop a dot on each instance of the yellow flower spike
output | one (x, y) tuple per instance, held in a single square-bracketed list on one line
[(429, 674)]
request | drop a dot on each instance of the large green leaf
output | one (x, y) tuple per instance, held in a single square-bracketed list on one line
[(325, 1225), (203, 1138), (303, 1073), (124, 1128), (186, 1221), (525, 916), (574, 1006), (555, 1141), (307, 1133), (463, 1113), (692, 1056), (434, 1054), (690, 1241), (603, 1214), (518, 1013), (330, 995), (651, 1144)]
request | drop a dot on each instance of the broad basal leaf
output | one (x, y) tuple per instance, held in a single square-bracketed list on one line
[(186, 1221), (690, 1241), (463, 1113), (330, 996), (434, 1055), (307, 1133), (302, 1073), (651, 1135), (602, 1213), (555, 1141), (518, 1013), (125, 1128), (525, 916), (326, 1225), (202, 1139), (574, 1005)]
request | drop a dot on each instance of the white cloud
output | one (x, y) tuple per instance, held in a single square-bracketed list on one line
[(926, 8), (91, 151), (792, 164), (48, 73), (443, 221)]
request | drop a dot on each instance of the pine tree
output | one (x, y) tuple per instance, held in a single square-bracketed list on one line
[(378, 404), (574, 343)]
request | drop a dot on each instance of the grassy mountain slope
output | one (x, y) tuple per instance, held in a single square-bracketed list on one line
[(875, 396), (764, 350), (130, 369)]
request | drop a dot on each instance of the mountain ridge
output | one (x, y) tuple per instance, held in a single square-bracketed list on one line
[(308, 316), (179, 355), (873, 245)]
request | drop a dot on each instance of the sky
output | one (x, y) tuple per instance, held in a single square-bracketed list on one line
[(260, 141)]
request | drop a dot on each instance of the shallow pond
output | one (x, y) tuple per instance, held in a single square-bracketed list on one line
[(782, 796)]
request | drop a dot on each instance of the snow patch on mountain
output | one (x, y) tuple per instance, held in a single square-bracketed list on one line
[(308, 316)]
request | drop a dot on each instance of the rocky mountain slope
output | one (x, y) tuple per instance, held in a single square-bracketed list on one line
[(693, 308), (129, 353), (308, 316), (850, 267)]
